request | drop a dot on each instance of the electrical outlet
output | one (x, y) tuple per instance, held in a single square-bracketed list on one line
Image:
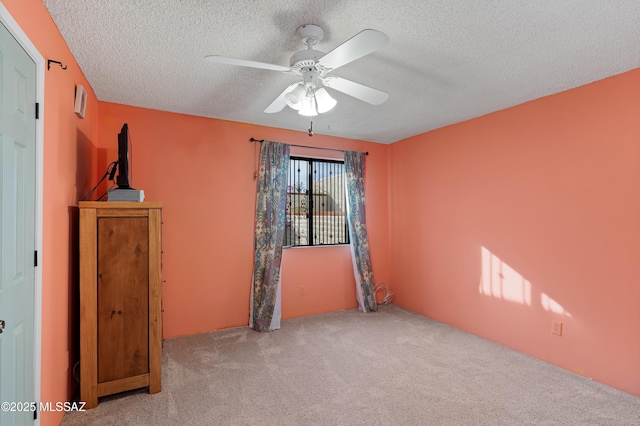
[(556, 327)]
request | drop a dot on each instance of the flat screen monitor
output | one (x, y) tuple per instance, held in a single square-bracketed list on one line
[(123, 158)]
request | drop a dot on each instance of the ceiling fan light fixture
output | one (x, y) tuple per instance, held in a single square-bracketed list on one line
[(324, 100), (308, 106), (295, 98)]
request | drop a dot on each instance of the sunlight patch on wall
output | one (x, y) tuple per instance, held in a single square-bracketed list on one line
[(502, 281), (552, 306)]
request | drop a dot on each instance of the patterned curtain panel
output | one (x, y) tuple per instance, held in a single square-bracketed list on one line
[(365, 286), (270, 229)]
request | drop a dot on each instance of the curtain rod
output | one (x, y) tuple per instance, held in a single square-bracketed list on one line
[(306, 146)]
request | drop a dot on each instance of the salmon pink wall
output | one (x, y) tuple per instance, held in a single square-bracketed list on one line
[(202, 170), (69, 150), (505, 223), (316, 290)]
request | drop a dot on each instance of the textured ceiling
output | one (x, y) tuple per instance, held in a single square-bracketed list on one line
[(447, 61)]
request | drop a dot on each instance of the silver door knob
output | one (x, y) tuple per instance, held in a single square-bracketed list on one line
[(1, 326)]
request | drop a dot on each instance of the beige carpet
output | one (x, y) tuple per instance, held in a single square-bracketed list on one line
[(392, 367)]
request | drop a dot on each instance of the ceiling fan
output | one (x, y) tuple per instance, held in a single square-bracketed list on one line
[(309, 97)]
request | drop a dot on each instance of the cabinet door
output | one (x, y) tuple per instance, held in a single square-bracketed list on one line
[(123, 297)]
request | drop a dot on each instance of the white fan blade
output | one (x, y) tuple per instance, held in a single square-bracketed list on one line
[(356, 47), (357, 90), (245, 63), (280, 102)]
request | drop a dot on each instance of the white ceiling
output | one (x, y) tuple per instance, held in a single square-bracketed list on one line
[(447, 61)]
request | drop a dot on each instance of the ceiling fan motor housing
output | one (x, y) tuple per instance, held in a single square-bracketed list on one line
[(305, 58)]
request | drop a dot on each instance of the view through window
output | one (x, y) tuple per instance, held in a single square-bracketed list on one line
[(316, 203)]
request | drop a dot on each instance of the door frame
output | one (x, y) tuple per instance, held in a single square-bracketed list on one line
[(34, 54)]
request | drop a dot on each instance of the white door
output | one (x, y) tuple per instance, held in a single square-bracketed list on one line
[(17, 227)]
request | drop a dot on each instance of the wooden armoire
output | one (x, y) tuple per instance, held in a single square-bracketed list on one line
[(120, 298)]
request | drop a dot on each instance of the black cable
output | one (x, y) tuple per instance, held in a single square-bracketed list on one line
[(112, 173), (105, 194), (106, 173)]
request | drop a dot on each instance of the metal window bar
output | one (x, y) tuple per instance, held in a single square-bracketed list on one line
[(310, 218), (317, 207), (316, 204), (343, 190), (297, 204)]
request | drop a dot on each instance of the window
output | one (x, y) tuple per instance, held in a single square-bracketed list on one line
[(316, 203)]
